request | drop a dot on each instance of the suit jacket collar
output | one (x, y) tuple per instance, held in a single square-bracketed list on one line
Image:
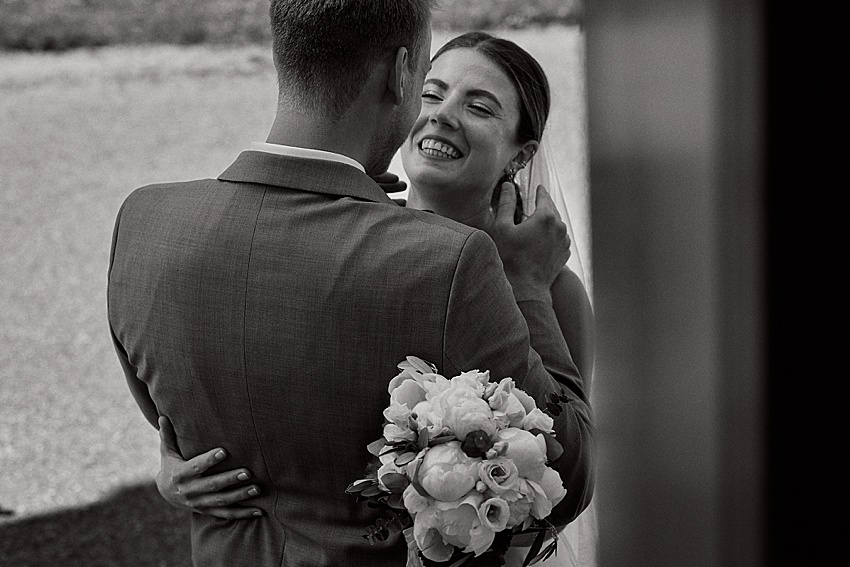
[(317, 176)]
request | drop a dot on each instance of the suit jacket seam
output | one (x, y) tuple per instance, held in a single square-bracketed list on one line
[(245, 360), (448, 305)]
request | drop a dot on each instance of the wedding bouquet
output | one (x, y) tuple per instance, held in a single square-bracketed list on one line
[(462, 468)]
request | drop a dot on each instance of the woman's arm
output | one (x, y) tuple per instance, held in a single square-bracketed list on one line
[(575, 317)]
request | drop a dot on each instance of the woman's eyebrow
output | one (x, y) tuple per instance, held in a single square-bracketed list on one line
[(437, 82), (485, 94), (471, 92)]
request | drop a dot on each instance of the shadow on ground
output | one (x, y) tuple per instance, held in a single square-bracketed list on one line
[(134, 527)]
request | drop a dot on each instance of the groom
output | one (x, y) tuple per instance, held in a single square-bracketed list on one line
[(265, 311)]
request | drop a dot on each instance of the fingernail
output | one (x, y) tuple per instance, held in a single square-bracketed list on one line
[(220, 454), (253, 491), (258, 513), (242, 476)]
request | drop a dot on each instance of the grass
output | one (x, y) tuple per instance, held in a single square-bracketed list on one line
[(78, 131), (66, 24)]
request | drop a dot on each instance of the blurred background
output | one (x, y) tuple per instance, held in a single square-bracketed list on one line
[(700, 140)]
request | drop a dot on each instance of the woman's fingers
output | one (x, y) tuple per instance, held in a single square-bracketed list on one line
[(543, 198), (390, 182), (200, 486), (233, 512), (507, 204), (197, 465), (203, 502), (182, 485)]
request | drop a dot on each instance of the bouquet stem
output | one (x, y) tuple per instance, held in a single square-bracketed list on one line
[(413, 559)]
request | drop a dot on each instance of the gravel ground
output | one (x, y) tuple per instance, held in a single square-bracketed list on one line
[(78, 132)]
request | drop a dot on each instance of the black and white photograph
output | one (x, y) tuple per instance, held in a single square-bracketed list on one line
[(414, 283)]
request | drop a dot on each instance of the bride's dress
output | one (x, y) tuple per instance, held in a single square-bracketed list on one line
[(577, 544), (578, 541)]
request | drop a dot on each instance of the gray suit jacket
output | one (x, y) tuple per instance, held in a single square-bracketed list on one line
[(265, 312)]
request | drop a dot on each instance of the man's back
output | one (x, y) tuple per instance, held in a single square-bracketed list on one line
[(268, 319)]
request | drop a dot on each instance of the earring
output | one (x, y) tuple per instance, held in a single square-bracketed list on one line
[(514, 170)]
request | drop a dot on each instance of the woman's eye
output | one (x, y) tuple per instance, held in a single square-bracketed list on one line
[(481, 109), (430, 96)]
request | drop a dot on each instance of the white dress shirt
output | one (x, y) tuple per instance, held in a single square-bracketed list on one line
[(308, 153)]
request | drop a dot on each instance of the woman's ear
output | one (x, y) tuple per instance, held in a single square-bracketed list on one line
[(523, 156)]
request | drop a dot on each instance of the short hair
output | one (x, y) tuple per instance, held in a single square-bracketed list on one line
[(325, 49), (522, 69)]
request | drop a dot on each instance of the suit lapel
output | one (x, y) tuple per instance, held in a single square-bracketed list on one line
[(317, 176)]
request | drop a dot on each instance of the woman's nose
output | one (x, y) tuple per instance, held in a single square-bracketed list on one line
[(444, 115)]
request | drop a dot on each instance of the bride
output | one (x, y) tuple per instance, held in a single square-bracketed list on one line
[(485, 103)]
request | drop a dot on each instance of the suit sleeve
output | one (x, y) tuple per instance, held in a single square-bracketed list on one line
[(487, 330), (138, 388)]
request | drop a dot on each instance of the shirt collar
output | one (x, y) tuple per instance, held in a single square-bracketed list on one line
[(307, 153), (315, 175)]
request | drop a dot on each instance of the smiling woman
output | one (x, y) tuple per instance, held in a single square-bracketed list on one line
[(560, 52), (466, 137), (485, 104)]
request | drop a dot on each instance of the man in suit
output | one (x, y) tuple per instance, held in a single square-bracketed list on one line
[(266, 310)]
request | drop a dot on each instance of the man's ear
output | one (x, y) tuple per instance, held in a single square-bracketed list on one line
[(395, 80)]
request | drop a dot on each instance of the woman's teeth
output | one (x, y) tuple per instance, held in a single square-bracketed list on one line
[(438, 149)]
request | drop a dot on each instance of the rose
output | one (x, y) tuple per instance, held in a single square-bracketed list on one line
[(446, 473), (499, 474), (527, 451), (494, 514)]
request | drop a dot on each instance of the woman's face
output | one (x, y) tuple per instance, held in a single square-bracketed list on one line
[(465, 136)]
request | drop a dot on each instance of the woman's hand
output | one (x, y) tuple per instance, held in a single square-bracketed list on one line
[(534, 251), (389, 182), (181, 484)]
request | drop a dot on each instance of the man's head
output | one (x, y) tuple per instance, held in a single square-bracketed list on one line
[(324, 50)]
